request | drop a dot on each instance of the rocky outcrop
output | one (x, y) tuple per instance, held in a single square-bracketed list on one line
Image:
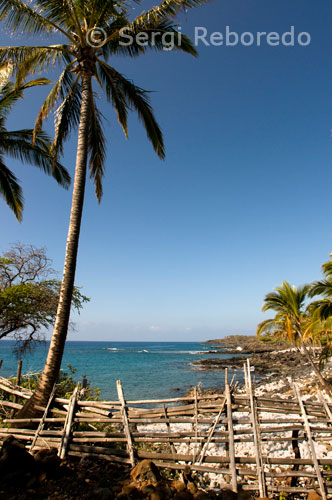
[(278, 363), (270, 360), (245, 344)]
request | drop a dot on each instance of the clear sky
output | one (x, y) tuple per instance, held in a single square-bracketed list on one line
[(187, 248)]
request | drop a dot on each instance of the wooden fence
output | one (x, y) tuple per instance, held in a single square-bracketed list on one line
[(237, 436)]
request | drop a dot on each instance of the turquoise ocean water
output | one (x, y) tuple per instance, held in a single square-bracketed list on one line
[(146, 369)]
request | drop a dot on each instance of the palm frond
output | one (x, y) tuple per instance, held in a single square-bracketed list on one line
[(327, 269), (10, 190), (323, 287), (291, 318), (10, 94), (32, 60), (115, 95), (266, 327), (19, 16), (168, 9), (99, 12), (18, 145), (75, 17), (160, 35), (135, 98), (61, 89), (67, 117), (57, 11), (290, 331), (321, 309), (97, 149), (287, 298), (8, 97), (42, 59)]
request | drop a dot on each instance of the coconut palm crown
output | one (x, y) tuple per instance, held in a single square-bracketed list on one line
[(18, 144), (289, 304), (292, 321), (92, 34)]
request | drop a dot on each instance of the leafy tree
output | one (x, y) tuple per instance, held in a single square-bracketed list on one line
[(18, 144), (84, 60), (28, 299), (292, 321)]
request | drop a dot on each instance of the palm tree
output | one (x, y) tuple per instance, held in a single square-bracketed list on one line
[(92, 32), (292, 321), (323, 306), (321, 311), (18, 144)]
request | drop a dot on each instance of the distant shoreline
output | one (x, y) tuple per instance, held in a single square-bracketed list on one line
[(270, 360)]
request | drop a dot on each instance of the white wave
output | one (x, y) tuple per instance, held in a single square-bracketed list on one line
[(144, 350), (112, 349), (177, 352)]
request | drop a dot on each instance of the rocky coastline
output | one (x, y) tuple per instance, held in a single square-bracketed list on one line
[(270, 361), (246, 344)]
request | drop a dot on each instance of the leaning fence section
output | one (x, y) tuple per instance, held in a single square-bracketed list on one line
[(264, 444)]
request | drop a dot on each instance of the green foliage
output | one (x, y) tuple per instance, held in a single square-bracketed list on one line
[(288, 302), (65, 385), (169, 474), (328, 468), (28, 301), (18, 144)]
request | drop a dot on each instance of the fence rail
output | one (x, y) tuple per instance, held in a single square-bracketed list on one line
[(234, 435)]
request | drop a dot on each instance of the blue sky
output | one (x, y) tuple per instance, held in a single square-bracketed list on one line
[(187, 248)]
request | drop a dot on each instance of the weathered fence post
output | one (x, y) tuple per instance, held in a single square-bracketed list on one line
[(125, 423), (68, 424)]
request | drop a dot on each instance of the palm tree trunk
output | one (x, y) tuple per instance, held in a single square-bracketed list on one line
[(313, 364), (53, 362)]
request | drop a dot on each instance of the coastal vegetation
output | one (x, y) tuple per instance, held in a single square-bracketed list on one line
[(303, 324), (83, 56), (66, 384), (17, 144), (29, 295)]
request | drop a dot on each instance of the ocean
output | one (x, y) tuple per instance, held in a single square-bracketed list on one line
[(146, 369)]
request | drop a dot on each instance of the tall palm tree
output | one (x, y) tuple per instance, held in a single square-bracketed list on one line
[(292, 321), (18, 144), (92, 33)]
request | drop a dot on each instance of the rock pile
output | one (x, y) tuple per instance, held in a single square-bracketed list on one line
[(147, 483), (43, 476)]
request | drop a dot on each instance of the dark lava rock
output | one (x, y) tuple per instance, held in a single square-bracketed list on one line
[(14, 458), (49, 462)]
